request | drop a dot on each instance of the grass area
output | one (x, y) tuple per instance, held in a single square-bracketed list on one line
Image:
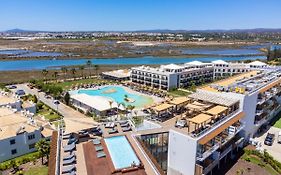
[(42, 170), (20, 160), (258, 161), (67, 85), (47, 112), (178, 93)]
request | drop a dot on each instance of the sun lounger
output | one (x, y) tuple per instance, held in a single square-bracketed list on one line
[(100, 154), (96, 141), (127, 129), (69, 148), (125, 124), (110, 125), (112, 131), (68, 169), (69, 161), (70, 156), (67, 136), (72, 173), (99, 148), (72, 140), (180, 123)]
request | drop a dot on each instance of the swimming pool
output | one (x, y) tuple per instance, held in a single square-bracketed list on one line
[(118, 94), (121, 152)]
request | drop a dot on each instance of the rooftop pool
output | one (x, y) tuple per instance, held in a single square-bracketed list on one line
[(118, 94), (121, 152)]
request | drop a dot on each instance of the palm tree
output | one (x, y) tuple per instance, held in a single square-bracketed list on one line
[(96, 69), (43, 147), (73, 72), (81, 68), (64, 70), (110, 103), (89, 65), (55, 75), (44, 73)]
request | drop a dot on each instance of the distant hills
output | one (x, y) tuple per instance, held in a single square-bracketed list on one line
[(257, 30)]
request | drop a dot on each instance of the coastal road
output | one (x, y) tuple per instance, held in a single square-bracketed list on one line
[(74, 120)]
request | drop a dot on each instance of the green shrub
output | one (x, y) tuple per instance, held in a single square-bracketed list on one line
[(19, 160)]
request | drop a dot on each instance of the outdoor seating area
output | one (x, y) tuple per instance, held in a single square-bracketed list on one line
[(146, 89), (69, 154)]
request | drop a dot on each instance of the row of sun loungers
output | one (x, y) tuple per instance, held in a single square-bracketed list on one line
[(98, 148), (70, 159)]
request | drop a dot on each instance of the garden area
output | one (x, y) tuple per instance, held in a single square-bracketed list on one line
[(277, 121), (47, 112), (32, 163), (263, 160), (178, 93)]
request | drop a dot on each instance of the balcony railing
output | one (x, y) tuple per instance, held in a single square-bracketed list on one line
[(203, 156)]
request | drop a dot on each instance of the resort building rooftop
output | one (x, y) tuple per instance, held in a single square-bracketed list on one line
[(246, 82)]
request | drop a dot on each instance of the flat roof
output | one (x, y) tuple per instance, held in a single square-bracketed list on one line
[(200, 118), (235, 78), (97, 102), (6, 99), (216, 110), (118, 73), (162, 107), (213, 97)]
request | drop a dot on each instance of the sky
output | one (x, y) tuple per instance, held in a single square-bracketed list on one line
[(125, 15)]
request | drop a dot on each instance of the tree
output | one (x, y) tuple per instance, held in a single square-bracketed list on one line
[(67, 98), (64, 70), (81, 68), (89, 65), (44, 73), (110, 103), (73, 72), (43, 147), (55, 75), (96, 69), (35, 100)]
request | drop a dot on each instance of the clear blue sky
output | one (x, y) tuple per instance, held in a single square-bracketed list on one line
[(76, 15)]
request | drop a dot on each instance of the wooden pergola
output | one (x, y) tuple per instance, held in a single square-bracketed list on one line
[(217, 111), (199, 121), (179, 101), (163, 108)]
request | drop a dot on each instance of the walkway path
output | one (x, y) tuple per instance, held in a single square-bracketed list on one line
[(74, 120)]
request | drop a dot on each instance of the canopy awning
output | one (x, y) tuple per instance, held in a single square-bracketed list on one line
[(216, 110), (201, 118), (162, 107)]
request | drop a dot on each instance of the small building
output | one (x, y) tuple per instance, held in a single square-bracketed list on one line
[(117, 75), (94, 104)]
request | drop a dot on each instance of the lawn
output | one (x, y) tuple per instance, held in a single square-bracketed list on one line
[(67, 85), (177, 93), (257, 161), (48, 113), (42, 170)]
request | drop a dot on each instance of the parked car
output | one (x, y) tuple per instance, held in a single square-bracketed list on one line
[(20, 92), (279, 137), (12, 87), (269, 139)]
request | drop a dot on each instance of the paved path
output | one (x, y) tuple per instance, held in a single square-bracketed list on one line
[(74, 120)]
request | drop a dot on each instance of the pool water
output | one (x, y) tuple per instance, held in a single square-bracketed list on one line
[(117, 93), (121, 152)]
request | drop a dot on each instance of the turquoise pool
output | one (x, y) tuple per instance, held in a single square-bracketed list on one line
[(118, 93), (121, 152)]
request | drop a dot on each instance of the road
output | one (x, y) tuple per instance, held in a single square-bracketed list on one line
[(74, 120)]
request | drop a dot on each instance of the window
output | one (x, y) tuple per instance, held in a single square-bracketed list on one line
[(31, 146), (14, 151), (31, 136), (13, 141)]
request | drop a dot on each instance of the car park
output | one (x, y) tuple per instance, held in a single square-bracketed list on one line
[(269, 139)]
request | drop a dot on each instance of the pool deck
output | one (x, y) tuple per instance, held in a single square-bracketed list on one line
[(103, 166)]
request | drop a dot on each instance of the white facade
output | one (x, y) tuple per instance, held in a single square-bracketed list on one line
[(18, 145)]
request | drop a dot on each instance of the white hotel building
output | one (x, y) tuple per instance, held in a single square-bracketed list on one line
[(171, 76), (240, 106)]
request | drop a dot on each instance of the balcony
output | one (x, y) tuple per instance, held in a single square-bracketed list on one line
[(219, 141)]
